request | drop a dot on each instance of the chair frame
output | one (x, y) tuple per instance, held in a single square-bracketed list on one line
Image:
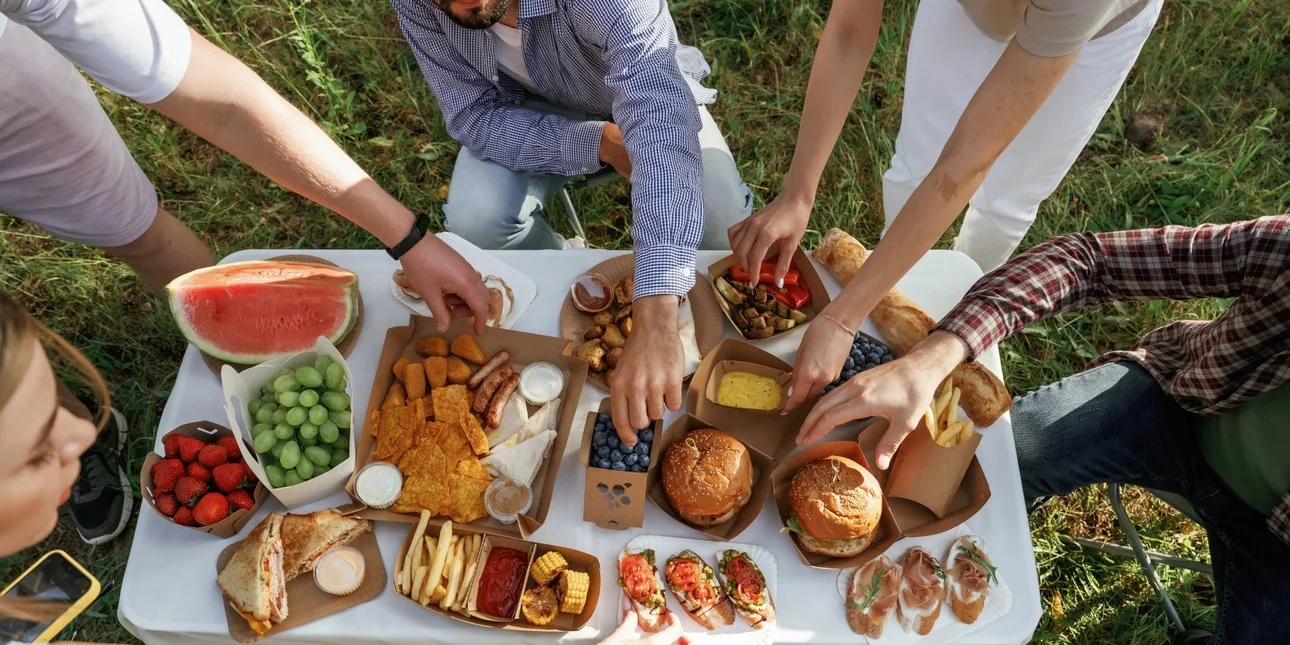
[(603, 176)]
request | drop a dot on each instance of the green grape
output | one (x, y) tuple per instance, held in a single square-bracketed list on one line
[(276, 452), (307, 399), (280, 415), (317, 415), (264, 415), (290, 455), (319, 470), (338, 457), (275, 475), (254, 406), (340, 418), (318, 455), (291, 478), (286, 383), (260, 428), (342, 441), (335, 400), (297, 416), (269, 397), (283, 431), (328, 432), (288, 399), (312, 441), (335, 376), (309, 377), (321, 363), (271, 406), (264, 442), (308, 430), (305, 469), (285, 371)]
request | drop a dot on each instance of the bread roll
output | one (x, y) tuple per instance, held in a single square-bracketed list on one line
[(904, 324)]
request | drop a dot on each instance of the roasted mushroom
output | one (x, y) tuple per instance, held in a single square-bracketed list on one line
[(740, 320), (758, 334), (759, 322), (623, 292), (613, 337), (603, 318), (763, 297), (623, 314), (750, 313), (781, 309), (594, 333), (728, 292), (592, 353), (611, 359), (797, 316), (609, 378), (626, 327)]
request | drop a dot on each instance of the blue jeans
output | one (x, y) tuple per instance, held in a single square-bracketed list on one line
[(1114, 423), (498, 208)]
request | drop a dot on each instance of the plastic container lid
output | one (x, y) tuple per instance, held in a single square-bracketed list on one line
[(541, 382), (340, 571), (506, 499), (378, 484), (591, 293)]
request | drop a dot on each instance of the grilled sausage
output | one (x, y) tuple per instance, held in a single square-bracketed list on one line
[(495, 407), (485, 392), (492, 364)]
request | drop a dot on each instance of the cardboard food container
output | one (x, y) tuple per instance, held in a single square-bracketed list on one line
[(720, 369), (810, 279), (489, 543), (926, 472), (207, 432), (782, 479), (762, 465), (241, 388), (305, 601), (525, 348), (967, 492), (614, 499), (578, 561)]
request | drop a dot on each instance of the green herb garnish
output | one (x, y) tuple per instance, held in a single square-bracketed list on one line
[(794, 526), (975, 555), (871, 595), (936, 567)]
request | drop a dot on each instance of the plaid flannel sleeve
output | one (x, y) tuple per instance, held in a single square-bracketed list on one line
[(1279, 521)]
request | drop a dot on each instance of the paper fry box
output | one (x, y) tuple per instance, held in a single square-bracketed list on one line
[(525, 348), (928, 473), (969, 493), (782, 480), (770, 434), (614, 499), (241, 388), (762, 466), (578, 561), (810, 279), (206, 432)]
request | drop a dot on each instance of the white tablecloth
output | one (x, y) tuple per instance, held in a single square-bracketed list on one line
[(169, 594)]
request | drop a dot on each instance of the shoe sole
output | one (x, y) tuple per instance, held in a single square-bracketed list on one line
[(127, 506)]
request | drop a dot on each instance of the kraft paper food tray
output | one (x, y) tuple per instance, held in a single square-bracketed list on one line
[(305, 601), (771, 434), (240, 388), (525, 348), (782, 480), (928, 473), (613, 499), (810, 278), (578, 561), (914, 519), (207, 432), (762, 466), (491, 542)]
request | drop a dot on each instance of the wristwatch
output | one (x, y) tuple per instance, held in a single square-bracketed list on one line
[(419, 228)]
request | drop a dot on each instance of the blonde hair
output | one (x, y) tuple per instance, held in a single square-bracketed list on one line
[(18, 330)]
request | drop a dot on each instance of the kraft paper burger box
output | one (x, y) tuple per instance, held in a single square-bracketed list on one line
[(810, 279), (241, 388), (888, 531), (930, 488), (525, 348), (615, 499), (206, 432), (762, 465), (578, 561)]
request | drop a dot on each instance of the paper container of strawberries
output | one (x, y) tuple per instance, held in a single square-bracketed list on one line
[(201, 480)]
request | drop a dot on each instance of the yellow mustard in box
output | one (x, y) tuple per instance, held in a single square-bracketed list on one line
[(749, 391)]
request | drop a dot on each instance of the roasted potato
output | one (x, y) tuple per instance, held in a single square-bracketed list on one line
[(623, 292), (611, 359), (728, 292), (594, 333), (613, 337), (592, 353), (623, 314), (626, 327), (603, 318)]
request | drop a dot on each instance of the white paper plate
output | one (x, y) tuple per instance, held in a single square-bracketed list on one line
[(948, 628), (740, 632), (522, 286)]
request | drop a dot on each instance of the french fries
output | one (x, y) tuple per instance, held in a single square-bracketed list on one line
[(942, 418), (439, 569)]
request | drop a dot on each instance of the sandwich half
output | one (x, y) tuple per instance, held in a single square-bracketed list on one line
[(638, 576), (872, 597), (307, 537), (253, 580), (695, 586), (743, 581), (970, 574), (922, 591)]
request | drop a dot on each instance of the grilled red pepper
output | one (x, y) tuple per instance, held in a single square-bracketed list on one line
[(793, 296), (767, 274)]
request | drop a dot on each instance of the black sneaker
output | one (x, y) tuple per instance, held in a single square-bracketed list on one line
[(102, 498)]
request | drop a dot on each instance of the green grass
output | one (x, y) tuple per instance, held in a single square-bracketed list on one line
[(1217, 73)]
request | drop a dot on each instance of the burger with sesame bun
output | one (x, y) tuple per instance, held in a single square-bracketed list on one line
[(707, 477), (836, 505)]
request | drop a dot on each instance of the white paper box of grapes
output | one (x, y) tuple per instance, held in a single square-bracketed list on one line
[(296, 412)]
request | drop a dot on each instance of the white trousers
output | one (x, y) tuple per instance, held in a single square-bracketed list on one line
[(948, 59)]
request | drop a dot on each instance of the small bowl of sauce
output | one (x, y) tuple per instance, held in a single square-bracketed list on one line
[(340, 571), (506, 499), (591, 293), (541, 383), (379, 484)]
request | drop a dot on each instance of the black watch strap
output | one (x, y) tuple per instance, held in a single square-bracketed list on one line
[(419, 228)]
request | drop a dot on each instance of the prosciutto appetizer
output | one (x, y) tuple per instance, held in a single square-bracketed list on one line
[(872, 596), (970, 575), (922, 591)]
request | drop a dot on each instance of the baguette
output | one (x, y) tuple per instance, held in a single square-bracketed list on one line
[(904, 324)]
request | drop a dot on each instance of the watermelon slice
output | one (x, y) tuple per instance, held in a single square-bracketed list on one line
[(250, 312)]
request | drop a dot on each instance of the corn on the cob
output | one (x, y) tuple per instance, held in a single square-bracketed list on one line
[(546, 568), (539, 605), (573, 591)]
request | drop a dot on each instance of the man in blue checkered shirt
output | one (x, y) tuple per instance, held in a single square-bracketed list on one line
[(538, 91)]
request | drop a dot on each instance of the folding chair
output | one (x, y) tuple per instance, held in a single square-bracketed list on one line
[(604, 176), (1148, 559)]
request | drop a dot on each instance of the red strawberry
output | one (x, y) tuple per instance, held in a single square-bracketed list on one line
[(166, 503), (165, 473), (229, 477), (213, 455), (251, 479), (189, 448), (188, 489), (230, 447), (242, 500), (198, 471), (211, 509), (171, 444), (184, 516)]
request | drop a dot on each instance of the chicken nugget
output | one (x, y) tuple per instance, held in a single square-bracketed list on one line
[(466, 347), (458, 371), (414, 380), (436, 368), (399, 366), (432, 346), (395, 397)]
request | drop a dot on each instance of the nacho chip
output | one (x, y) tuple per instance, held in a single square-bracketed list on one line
[(473, 469), (467, 494), (396, 430)]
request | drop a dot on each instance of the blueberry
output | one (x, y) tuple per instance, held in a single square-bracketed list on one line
[(613, 441), (599, 439), (615, 455), (602, 451), (600, 426), (603, 463), (619, 466), (851, 362), (631, 459), (643, 462), (646, 435), (887, 358), (604, 417), (642, 448), (638, 468)]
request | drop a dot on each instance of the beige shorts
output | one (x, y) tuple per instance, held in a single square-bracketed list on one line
[(63, 167)]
